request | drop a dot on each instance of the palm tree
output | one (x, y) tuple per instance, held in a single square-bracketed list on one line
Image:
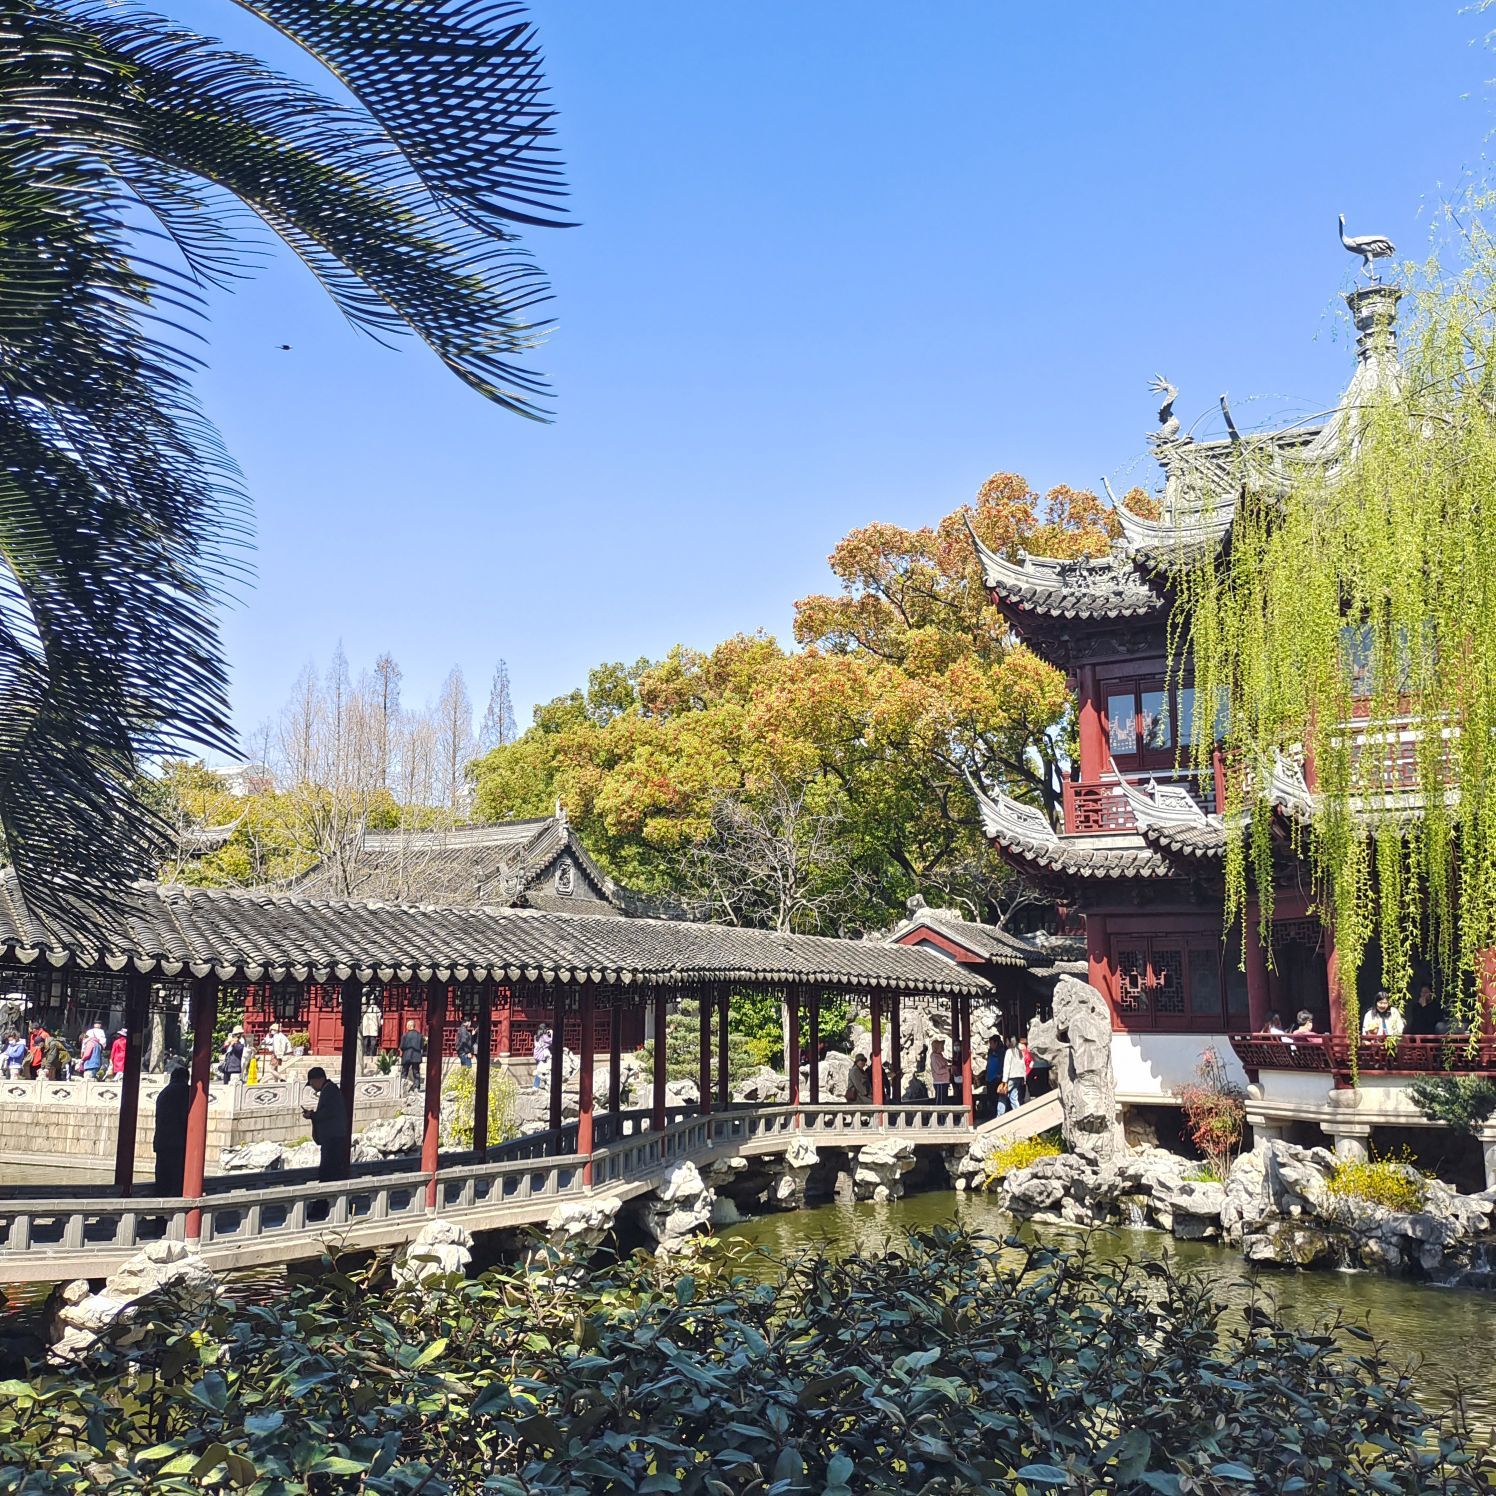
[(135, 159)]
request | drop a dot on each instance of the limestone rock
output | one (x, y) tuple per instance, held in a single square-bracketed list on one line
[(388, 1138), (878, 1173), (682, 1093), (1077, 1043), (834, 1070), (799, 1158), (579, 1227), (1194, 1208), (166, 1270), (1291, 1244), (252, 1158), (442, 1248), (680, 1206), (303, 1156), (765, 1086)]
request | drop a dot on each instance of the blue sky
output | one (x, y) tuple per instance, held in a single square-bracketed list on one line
[(837, 263)]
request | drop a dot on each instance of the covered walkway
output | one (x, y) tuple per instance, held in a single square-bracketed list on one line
[(178, 948)]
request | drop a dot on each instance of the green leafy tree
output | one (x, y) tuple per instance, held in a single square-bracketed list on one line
[(134, 154)]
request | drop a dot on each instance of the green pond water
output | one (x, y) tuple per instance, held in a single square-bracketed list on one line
[(1446, 1335)]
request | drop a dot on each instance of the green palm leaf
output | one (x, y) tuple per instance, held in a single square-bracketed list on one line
[(135, 156)]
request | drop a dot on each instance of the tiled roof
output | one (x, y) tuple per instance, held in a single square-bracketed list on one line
[(172, 931), (1090, 587), (501, 864), (1207, 840), (988, 942)]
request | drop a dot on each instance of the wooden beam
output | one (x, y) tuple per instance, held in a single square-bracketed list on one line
[(657, 1116), (584, 1082), (204, 1020), (895, 1050), (704, 1008), (876, 1058), (137, 1009), (481, 1081), (558, 1063), (792, 1006), (436, 1037), (724, 1094), (814, 1037), (353, 1012), (615, 1057)]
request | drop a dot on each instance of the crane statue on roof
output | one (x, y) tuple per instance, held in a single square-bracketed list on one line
[(1370, 247), (1168, 422)]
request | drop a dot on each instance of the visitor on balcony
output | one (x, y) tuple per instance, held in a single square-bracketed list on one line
[(1275, 1024), (1383, 1020), (1304, 1023), (940, 1071), (859, 1082), (1426, 1014)]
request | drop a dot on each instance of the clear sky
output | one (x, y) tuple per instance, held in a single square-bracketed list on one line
[(837, 262)]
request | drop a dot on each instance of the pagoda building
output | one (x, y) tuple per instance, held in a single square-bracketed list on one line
[(1140, 855)]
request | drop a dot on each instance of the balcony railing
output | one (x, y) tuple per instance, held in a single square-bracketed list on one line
[(1412, 1054), (1098, 809)]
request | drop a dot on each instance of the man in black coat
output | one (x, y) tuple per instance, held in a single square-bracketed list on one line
[(412, 1048), (170, 1141), (329, 1119)]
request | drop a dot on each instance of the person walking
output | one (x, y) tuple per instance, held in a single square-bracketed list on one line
[(13, 1057), (412, 1051), (541, 1056), (90, 1052), (859, 1082), (277, 1047), (330, 1130), (54, 1054), (117, 1052), (368, 1028), (940, 1071), (231, 1063), (170, 1141), (465, 1045), (992, 1076), (1015, 1074)]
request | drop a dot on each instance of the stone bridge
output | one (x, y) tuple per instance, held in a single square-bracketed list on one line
[(249, 1221)]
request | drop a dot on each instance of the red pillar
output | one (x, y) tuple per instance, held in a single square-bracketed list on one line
[(504, 1012), (484, 1075), (876, 1058), (968, 1094), (1337, 994), (814, 1037), (1259, 994), (353, 1012), (705, 1078), (615, 1055), (723, 1078), (1090, 733), (584, 1082), (657, 1116), (895, 1052), (137, 1003), (204, 1017), (558, 1065), (436, 1038), (793, 1005)]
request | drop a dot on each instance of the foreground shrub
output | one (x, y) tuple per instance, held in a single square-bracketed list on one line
[(1007, 1157), (1215, 1112), (929, 1369), (1392, 1182), (1462, 1101)]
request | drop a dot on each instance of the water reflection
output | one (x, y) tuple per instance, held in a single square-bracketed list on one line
[(1446, 1334)]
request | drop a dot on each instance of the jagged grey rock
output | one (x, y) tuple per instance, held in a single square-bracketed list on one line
[(168, 1269), (580, 1227), (390, 1137), (764, 1085), (252, 1158), (441, 1248), (799, 1158), (1077, 1043), (682, 1093), (878, 1173), (678, 1208)]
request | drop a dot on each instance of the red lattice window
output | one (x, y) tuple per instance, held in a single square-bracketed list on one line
[(1132, 980), (1166, 975), (1171, 984)]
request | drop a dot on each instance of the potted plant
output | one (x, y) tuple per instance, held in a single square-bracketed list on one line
[(300, 1043)]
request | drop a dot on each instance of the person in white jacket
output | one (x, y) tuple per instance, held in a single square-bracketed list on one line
[(1383, 1021), (1015, 1074)]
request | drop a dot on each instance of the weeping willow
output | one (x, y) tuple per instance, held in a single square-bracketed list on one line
[(1349, 625)]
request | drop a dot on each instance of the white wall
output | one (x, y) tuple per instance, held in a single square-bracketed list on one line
[(1147, 1065)]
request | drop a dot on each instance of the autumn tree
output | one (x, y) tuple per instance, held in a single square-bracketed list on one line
[(499, 724)]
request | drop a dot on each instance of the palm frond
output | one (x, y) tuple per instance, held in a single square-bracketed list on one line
[(119, 510)]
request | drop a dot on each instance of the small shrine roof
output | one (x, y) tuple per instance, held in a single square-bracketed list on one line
[(990, 944)]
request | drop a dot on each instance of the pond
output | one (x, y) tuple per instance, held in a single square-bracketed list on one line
[(1445, 1334)]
